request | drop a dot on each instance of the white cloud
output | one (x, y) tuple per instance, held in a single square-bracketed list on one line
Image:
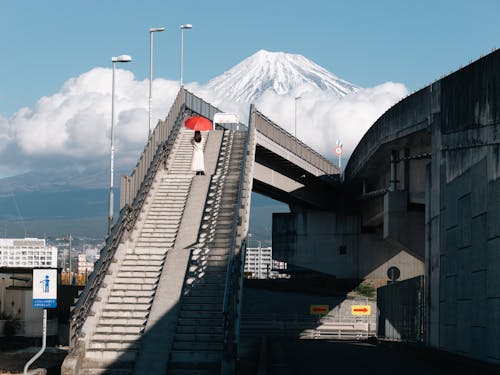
[(5, 133), (72, 127), (322, 118), (74, 124)]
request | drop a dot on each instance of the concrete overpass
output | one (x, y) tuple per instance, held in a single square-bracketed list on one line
[(166, 292)]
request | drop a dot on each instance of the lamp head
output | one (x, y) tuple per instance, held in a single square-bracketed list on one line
[(187, 26), (121, 58), (156, 29)]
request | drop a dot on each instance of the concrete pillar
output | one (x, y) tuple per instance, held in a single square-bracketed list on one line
[(406, 170), (394, 175)]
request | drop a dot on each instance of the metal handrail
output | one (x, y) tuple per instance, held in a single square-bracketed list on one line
[(159, 136), (126, 221), (231, 271), (293, 144)]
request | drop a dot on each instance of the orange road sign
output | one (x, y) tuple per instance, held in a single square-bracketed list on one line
[(319, 309), (361, 309)]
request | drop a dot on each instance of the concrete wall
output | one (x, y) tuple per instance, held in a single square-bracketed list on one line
[(464, 220), (19, 306), (332, 243)]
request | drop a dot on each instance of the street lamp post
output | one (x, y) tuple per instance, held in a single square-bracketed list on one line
[(114, 60), (151, 31), (185, 26), (296, 98)]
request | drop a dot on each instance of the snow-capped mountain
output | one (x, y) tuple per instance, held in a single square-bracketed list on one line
[(278, 71)]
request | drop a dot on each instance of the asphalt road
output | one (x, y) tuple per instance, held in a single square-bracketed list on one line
[(289, 356)]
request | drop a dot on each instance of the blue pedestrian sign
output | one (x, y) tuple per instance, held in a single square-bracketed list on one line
[(45, 288)]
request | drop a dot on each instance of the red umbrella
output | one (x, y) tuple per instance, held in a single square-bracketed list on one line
[(198, 123)]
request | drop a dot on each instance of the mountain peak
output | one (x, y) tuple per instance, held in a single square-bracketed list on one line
[(277, 71)]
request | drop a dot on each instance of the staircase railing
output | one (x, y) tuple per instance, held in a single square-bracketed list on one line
[(234, 276), (132, 198), (130, 185)]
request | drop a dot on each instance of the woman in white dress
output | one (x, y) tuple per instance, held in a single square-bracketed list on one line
[(198, 163)]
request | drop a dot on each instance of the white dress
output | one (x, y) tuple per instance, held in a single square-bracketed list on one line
[(198, 163)]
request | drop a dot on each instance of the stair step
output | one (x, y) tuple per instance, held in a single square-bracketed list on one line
[(141, 268), (199, 307), (156, 250), (140, 274), (130, 287), (201, 315), (130, 300), (198, 300), (119, 329), (197, 345), (193, 371), (153, 258), (199, 337), (214, 327), (127, 306), (132, 293), (136, 280), (113, 345), (130, 322), (204, 292), (122, 337), (191, 359), (125, 314), (106, 371), (110, 356)]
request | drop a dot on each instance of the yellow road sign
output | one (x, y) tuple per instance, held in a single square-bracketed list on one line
[(361, 309), (319, 309)]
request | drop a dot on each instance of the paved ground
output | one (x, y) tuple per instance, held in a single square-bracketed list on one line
[(13, 362), (297, 357), (294, 357)]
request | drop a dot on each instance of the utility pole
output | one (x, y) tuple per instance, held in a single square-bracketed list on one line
[(69, 255)]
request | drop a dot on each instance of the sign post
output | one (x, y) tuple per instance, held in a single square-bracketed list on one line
[(45, 297), (339, 151)]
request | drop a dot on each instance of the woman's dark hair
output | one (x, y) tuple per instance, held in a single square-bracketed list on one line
[(197, 136)]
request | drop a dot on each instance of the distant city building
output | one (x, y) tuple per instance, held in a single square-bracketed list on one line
[(84, 266), (259, 263), (27, 253)]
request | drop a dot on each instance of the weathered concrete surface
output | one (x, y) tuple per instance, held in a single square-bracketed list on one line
[(422, 192), (457, 120), (333, 244)]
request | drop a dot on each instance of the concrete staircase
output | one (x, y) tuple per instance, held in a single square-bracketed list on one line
[(198, 342), (116, 341), (159, 307)]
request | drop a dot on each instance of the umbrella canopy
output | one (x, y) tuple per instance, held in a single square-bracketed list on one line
[(198, 123)]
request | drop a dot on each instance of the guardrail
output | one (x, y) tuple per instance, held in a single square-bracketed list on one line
[(133, 199), (130, 185), (409, 115), (280, 136), (306, 326)]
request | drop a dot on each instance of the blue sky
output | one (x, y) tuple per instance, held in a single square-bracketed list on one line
[(44, 43)]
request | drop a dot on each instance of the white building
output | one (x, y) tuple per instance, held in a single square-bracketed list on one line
[(27, 253), (84, 266), (258, 262)]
